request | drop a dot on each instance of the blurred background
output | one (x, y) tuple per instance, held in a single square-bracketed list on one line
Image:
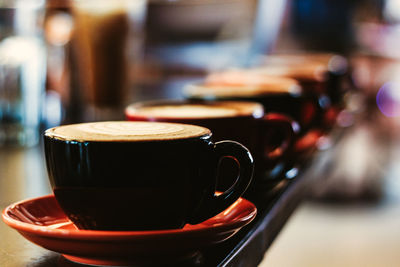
[(71, 61), (351, 217)]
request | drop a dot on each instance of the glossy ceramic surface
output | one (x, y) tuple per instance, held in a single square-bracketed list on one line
[(269, 137), (42, 222), (103, 185)]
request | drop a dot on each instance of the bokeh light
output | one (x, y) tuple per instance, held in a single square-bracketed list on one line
[(388, 99)]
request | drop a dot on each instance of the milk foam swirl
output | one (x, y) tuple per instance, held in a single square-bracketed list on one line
[(194, 111), (126, 131), (242, 83), (219, 109)]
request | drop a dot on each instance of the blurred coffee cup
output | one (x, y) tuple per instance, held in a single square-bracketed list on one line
[(276, 94), (269, 137), (328, 71)]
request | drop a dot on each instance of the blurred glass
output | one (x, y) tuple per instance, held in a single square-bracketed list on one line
[(106, 45), (94, 48), (22, 71)]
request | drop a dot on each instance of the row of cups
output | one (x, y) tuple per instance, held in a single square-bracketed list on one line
[(161, 170), (277, 110)]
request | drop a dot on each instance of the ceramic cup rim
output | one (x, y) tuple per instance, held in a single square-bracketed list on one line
[(257, 113), (297, 91)]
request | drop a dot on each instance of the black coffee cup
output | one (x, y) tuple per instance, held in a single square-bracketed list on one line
[(140, 175), (269, 137), (326, 73), (325, 76), (277, 94)]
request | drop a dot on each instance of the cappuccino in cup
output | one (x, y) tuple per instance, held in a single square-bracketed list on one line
[(276, 94), (140, 175), (171, 109), (268, 136)]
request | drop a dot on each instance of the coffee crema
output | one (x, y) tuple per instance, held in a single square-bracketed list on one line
[(242, 83), (299, 58), (124, 131), (196, 111), (252, 79), (238, 90), (309, 71)]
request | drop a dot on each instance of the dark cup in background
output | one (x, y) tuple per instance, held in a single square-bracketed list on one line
[(331, 68), (276, 94), (325, 74), (140, 175), (269, 137)]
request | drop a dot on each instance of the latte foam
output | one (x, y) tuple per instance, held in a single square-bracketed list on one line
[(293, 59), (124, 131), (242, 83), (197, 111), (306, 66), (310, 71)]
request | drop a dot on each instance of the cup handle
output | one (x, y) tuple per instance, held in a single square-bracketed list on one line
[(214, 204), (282, 124)]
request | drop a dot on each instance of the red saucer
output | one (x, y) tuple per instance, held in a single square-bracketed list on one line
[(308, 142), (42, 222)]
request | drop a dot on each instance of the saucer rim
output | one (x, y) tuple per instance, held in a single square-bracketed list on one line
[(220, 228)]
